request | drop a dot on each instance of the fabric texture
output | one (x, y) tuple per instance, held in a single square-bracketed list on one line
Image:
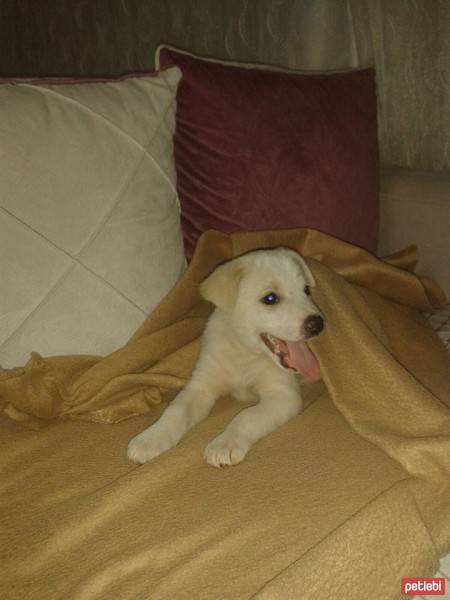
[(90, 237), (363, 472), (265, 149), (440, 321)]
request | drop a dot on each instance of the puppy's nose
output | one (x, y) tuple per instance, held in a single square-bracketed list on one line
[(313, 325)]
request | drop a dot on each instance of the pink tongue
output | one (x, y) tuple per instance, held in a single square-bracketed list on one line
[(302, 360)]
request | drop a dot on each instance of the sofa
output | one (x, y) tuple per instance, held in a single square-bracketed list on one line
[(326, 507)]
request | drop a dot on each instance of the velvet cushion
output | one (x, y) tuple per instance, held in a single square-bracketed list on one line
[(259, 148)]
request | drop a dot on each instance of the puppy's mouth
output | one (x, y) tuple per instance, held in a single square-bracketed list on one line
[(293, 355)]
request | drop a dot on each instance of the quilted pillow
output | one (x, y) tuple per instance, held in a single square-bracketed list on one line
[(90, 239), (262, 149)]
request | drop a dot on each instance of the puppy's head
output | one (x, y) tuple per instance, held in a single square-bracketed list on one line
[(266, 295)]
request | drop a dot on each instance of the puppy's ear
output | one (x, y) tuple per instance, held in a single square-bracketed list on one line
[(221, 287), (309, 277)]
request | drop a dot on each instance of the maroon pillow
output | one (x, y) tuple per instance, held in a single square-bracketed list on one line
[(267, 149)]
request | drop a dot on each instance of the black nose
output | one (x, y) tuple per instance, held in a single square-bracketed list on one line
[(313, 325)]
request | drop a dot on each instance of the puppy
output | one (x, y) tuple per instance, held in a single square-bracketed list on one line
[(253, 347)]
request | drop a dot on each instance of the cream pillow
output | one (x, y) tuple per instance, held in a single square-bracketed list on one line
[(90, 237)]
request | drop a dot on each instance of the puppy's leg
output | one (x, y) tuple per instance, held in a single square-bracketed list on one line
[(275, 408), (192, 404)]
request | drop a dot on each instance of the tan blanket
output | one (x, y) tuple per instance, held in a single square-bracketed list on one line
[(352, 495)]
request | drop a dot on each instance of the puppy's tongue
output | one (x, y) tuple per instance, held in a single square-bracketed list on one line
[(301, 359)]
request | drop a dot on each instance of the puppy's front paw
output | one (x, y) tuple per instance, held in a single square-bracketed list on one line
[(149, 444), (225, 450)]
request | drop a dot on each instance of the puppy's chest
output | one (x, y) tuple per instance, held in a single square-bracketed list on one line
[(246, 380)]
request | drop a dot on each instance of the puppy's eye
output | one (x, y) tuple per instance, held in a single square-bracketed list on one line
[(270, 298), (307, 290)]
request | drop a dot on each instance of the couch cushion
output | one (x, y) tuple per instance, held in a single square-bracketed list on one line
[(415, 209), (264, 149), (89, 216)]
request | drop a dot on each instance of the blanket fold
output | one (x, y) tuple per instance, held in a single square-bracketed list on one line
[(382, 365)]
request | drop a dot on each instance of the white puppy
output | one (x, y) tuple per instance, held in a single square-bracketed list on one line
[(253, 346)]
